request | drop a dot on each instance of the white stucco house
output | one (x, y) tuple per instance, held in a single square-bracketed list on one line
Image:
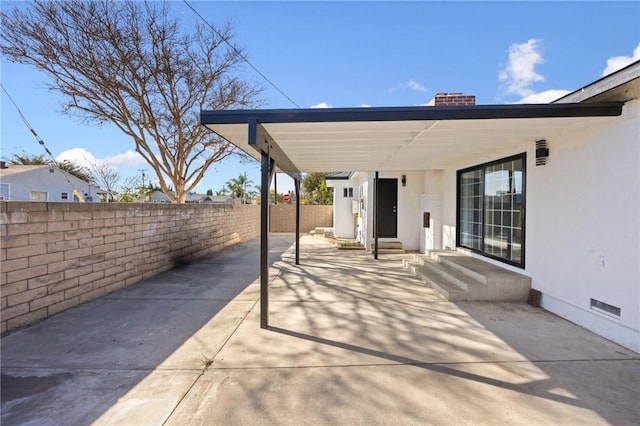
[(44, 183), (551, 191)]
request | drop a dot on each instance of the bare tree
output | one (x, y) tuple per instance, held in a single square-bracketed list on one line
[(106, 177), (132, 64), (131, 190)]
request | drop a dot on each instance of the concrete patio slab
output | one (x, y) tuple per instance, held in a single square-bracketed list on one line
[(351, 341), (436, 394), (82, 397)]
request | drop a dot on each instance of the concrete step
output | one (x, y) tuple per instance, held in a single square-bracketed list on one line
[(455, 260), (460, 277), (389, 247), (322, 232), (452, 284), (447, 290)]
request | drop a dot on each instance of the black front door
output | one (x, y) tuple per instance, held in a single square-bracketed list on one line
[(388, 208)]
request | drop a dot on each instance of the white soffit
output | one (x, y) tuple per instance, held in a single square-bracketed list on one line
[(400, 145)]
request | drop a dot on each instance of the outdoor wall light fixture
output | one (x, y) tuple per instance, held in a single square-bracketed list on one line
[(404, 180), (542, 152)]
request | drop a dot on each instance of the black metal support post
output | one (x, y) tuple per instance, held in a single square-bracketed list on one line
[(376, 204), (297, 187), (275, 189), (267, 174)]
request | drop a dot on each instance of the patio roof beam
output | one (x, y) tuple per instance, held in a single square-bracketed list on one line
[(262, 141), (475, 112)]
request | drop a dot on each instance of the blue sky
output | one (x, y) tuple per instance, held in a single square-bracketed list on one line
[(351, 54)]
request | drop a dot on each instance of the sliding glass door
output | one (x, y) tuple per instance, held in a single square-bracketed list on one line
[(491, 205)]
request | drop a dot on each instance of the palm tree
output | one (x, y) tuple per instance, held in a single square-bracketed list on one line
[(238, 186)]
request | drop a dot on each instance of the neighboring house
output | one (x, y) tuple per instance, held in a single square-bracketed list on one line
[(44, 183), (209, 199), (551, 191), (158, 196), (155, 196)]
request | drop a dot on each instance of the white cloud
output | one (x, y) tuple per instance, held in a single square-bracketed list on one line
[(543, 97), (365, 106), (79, 156), (126, 159), (82, 157), (618, 62), (414, 85), (519, 73), (322, 105)]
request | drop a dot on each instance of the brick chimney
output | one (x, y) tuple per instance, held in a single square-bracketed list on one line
[(452, 99)]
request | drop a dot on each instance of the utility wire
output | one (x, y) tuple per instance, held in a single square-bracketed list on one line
[(244, 58), (40, 141), (24, 119)]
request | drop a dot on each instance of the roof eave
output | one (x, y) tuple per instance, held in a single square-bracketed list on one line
[(475, 112)]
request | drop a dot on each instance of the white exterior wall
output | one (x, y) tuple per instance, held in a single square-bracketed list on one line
[(409, 208), (54, 184), (344, 225), (582, 224), (583, 228), (360, 195), (431, 202)]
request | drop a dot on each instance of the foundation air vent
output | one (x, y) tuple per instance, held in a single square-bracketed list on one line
[(606, 308)]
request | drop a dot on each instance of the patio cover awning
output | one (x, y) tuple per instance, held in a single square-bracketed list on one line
[(399, 138), (384, 139)]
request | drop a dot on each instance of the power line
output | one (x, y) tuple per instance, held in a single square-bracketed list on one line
[(24, 119), (40, 141), (240, 54)]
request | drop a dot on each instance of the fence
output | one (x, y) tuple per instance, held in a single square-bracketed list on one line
[(58, 255), (283, 217)]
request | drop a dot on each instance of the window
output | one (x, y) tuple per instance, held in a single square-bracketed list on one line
[(4, 191), (347, 192), (64, 196), (470, 209), (491, 205), (38, 196)]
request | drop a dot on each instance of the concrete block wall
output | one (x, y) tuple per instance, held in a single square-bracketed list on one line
[(282, 217), (57, 255)]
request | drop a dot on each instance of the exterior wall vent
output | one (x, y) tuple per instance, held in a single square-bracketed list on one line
[(597, 305)]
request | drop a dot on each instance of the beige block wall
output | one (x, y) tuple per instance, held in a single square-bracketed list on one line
[(57, 255), (283, 217)]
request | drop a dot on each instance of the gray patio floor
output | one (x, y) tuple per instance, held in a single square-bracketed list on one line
[(352, 341)]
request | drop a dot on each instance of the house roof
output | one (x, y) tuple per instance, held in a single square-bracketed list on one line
[(14, 169), (17, 169), (399, 138), (623, 85)]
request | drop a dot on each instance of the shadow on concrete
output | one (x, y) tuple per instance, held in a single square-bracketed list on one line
[(358, 340), (73, 367)]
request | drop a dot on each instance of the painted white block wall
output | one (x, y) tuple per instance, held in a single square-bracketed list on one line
[(431, 202), (409, 207), (343, 217), (583, 227), (582, 224)]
